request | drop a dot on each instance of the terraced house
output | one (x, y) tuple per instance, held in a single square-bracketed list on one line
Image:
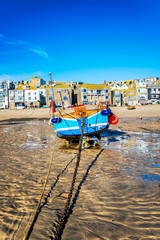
[(28, 93), (36, 82), (154, 94), (4, 102), (129, 97), (62, 94), (93, 94), (142, 86)]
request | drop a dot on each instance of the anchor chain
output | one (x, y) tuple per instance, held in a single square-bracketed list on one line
[(62, 221)]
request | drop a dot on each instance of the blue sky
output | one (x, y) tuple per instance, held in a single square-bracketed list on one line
[(90, 41)]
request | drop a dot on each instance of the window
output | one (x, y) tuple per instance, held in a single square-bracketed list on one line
[(106, 97), (117, 93), (131, 93), (142, 90), (65, 91), (37, 81), (58, 91), (50, 97), (29, 98), (20, 92), (35, 98), (30, 81), (29, 93), (84, 90), (35, 93), (142, 96), (20, 98), (131, 97), (106, 90), (51, 91), (58, 103), (99, 91), (84, 97), (65, 98)]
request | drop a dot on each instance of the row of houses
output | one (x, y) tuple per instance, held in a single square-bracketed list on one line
[(36, 92)]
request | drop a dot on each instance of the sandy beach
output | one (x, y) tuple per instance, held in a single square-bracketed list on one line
[(116, 194), (44, 113)]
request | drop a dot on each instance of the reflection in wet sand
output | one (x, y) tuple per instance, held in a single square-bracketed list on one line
[(116, 195)]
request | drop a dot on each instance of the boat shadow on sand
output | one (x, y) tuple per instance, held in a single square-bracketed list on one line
[(112, 136), (107, 137)]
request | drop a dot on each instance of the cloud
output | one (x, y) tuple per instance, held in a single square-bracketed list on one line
[(26, 45), (22, 42), (40, 52), (11, 43)]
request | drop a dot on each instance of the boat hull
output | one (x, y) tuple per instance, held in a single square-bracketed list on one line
[(70, 128)]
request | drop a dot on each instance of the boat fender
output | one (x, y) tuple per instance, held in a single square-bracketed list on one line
[(113, 119), (56, 120), (106, 112)]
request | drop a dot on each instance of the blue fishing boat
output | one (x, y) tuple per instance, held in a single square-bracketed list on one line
[(68, 124)]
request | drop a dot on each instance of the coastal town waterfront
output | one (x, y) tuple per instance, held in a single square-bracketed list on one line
[(116, 195), (37, 92)]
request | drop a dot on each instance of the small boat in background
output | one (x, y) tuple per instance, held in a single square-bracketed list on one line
[(131, 107)]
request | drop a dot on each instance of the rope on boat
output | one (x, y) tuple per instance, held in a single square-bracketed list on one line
[(29, 231), (62, 221), (69, 115)]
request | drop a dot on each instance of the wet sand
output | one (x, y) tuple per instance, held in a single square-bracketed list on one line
[(116, 194)]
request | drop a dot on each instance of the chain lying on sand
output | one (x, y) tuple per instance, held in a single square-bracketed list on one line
[(62, 221)]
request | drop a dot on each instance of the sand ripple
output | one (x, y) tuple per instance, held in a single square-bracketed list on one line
[(116, 194)]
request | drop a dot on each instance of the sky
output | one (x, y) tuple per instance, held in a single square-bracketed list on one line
[(79, 40)]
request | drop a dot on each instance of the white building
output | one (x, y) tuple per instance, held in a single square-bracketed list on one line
[(32, 98), (141, 87), (4, 101)]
